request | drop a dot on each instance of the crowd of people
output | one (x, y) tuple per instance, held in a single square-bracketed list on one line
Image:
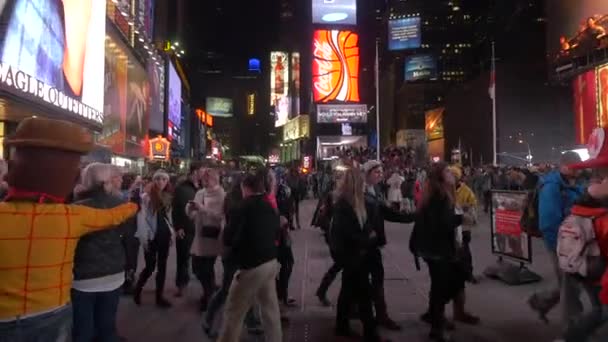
[(70, 240)]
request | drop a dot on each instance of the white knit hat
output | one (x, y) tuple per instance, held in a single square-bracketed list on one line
[(160, 174), (370, 165)]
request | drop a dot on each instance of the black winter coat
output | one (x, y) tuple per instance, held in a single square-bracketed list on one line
[(350, 243), (378, 212)]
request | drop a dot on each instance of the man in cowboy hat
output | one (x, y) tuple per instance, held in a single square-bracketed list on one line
[(39, 233)]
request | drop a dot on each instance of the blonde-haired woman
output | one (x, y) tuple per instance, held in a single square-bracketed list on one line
[(98, 263), (155, 233), (350, 242), (207, 211)]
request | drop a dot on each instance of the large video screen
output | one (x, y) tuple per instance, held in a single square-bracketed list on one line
[(404, 33), (334, 12), (138, 108), (335, 67), (584, 90), (576, 27), (434, 124), (174, 98), (279, 86), (420, 67), (342, 113), (219, 107), (115, 100), (52, 52), (156, 77)]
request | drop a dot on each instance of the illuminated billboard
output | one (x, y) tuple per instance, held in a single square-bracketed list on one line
[(404, 33), (295, 79), (174, 98), (575, 28), (219, 107), (584, 89), (279, 86), (420, 67), (52, 53), (602, 93), (434, 124), (335, 67), (335, 12), (342, 113)]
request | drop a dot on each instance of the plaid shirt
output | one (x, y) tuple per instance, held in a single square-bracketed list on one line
[(37, 244)]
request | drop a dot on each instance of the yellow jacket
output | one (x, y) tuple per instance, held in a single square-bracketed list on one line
[(37, 244), (465, 199)]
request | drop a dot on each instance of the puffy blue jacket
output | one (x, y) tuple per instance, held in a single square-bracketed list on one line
[(555, 200)]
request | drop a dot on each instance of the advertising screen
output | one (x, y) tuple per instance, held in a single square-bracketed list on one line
[(335, 12), (279, 86), (295, 86), (420, 67), (404, 33), (138, 108), (342, 113), (335, 69), (115, 101), (36, 63), (434, 124), (584, 88), (575, 28), (219, 107), (174, 97), (156, 78)]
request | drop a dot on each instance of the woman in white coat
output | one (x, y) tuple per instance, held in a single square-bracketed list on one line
[(207, 211)]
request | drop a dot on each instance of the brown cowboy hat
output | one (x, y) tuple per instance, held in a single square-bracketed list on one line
[(53, 134)]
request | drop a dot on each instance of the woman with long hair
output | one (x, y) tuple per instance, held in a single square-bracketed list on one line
[(434, 239), (351, 240), (155, 233)]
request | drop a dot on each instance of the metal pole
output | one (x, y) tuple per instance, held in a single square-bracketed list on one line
[(494, 136), (377, 67)]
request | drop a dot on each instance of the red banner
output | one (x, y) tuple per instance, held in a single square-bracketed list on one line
[(585, 110)]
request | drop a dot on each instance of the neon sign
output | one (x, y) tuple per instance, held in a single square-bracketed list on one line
[(335, 66)]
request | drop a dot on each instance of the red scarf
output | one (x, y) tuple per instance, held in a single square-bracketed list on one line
[(39, 197)]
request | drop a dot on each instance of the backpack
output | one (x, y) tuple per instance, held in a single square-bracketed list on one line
[(578, 251), (529, 221)]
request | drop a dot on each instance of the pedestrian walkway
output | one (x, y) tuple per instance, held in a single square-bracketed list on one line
[(503, 309)]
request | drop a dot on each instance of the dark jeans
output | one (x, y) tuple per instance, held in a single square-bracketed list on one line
[(356, 289), (487, 200), (329, 278), (447, 281), (204, 269), (219, 298), (182, 257), (296, 209), (376, 270), (54, 326), (131, 246), (465, 255), (94, 316), (156, 256), (287, 261)]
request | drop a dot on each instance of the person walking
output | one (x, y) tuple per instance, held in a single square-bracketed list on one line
[(351, 240), (99, 261), (155, 233), (184, 226), (257, 262), (207, 212), (434, 239), (558, 191)]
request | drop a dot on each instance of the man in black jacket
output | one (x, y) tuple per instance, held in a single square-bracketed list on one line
[(184, 227), (377, 213)]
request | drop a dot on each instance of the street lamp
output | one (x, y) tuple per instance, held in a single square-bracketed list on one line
[(529, 156)]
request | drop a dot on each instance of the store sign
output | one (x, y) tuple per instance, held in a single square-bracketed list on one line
[(32, 49), (342, 113), (335, 66), (307, 162), (160, 148), (251, 104), (297, 128), (347, 129)]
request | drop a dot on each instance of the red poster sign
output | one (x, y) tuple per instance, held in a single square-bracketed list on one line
[(602, 92), (507, 222), (335, 66), (585, 110)]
